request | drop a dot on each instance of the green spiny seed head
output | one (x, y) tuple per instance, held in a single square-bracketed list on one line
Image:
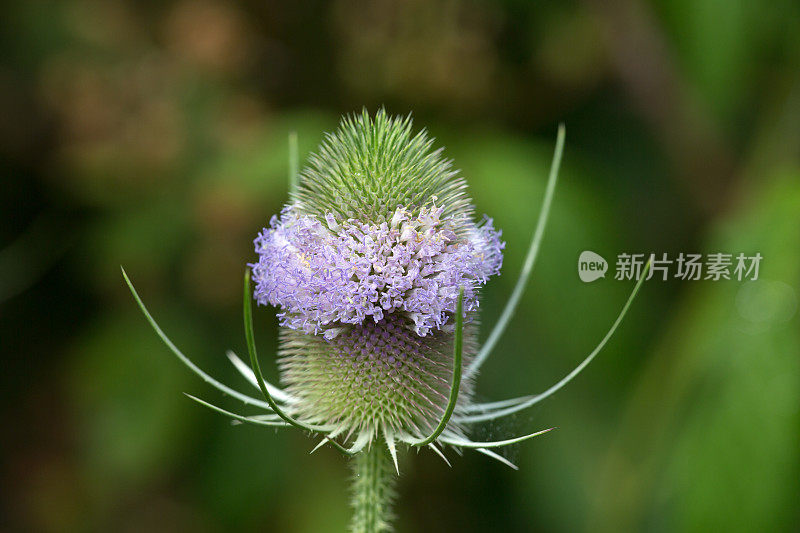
[(374, 378), (367, 168)]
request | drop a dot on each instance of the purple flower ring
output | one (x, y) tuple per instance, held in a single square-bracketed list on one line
[(326, 274)]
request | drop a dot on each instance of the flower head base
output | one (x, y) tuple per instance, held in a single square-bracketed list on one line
[(373, 377)]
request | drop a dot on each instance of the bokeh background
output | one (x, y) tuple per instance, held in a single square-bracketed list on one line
[(154, 135)]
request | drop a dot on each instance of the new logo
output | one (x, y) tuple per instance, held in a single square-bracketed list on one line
[(591, 266)]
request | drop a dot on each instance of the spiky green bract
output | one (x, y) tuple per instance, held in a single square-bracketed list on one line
[(373, 491), (369, 167), (374, 378)]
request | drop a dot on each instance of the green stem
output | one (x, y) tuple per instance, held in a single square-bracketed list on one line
[(373, 491)]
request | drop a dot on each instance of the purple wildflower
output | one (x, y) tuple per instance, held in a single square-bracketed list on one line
[(327, 273)]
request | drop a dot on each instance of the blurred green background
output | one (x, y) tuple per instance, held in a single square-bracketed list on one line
[(154, 135)]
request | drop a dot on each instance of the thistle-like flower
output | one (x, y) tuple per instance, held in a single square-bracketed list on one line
[(376, 265)]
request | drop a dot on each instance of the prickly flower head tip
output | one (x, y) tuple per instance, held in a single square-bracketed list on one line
[(366, 264)]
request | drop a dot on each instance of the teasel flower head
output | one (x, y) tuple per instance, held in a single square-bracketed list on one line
[(366, 265), (376, 266)]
